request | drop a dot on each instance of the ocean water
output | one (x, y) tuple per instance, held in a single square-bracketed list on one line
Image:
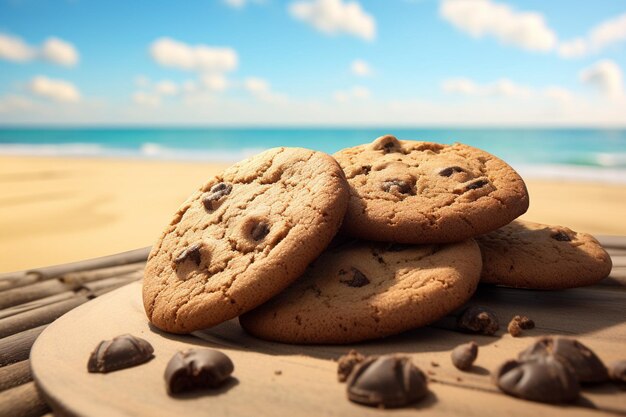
[(579, 154)]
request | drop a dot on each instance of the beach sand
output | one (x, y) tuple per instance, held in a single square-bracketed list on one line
[(57, 210)]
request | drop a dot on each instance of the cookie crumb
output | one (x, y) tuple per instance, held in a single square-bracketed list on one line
[(478, 319), (347, 363), (434, 364), (519, 323), (278, 372)]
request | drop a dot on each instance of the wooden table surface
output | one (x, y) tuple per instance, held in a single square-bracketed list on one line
[(31, 300)]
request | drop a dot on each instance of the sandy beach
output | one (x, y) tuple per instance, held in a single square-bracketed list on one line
[(57, 210)]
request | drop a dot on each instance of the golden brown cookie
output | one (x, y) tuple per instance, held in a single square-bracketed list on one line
[(243, 237), (363, 290), (531, 255), (423, 192)]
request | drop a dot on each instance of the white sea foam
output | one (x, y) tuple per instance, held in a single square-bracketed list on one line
[(610, 167)]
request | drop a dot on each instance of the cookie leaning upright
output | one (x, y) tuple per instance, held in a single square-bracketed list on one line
[(243, 237), (423, 192), (531, 255)]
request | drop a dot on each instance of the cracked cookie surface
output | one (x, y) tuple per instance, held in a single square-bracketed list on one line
[(537, 256), (243, 237), (360, 290), (424, 192)]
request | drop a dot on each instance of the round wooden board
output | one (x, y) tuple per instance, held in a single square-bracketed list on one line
[(272, 379)]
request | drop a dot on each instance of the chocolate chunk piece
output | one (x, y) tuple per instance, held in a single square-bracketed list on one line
[(396, 186), (543, 378), (447, 172), (386, 381), (463, 356), (477, 319), (477, 184), (561, 237), (197, 369), (617, 371), (346, 364), (519, 323), (587, 366), (121, 352), (192, 253), (212, 198), (357, 280), (260, 230)]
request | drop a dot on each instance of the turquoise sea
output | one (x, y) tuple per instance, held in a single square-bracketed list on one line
[(581, 154)]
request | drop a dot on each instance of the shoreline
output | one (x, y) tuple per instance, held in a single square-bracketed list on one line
[(61, 209)]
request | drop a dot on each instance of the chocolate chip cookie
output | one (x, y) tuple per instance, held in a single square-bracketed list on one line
[(243, 237), (531, 255), (362, 290), (423, 192)]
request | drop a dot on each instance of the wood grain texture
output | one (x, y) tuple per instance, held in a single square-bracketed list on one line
[(308, 383), (14, 375), (22, 401), (16, 348)]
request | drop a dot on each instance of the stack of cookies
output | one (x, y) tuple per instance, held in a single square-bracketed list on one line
[(380, 239)]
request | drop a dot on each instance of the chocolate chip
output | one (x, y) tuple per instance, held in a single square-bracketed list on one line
[(477, 319), (346, 364), (519, 323), (447, 172), (477, 184), (561, 237), (617, 371), (463, 356), (260, 230), (211, 199), (387, 381), (543, 379), (387, 144), (587, 366), (191, 253), (365, 169), (396, 186), (197, 369), (358, 279), (121, 352)]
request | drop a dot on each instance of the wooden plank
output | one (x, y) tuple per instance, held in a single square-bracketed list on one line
[(22, 401), (307, 384), (11, 311), (39, 316), (14, 375), (28, 277), (16, 348), (612, 241)]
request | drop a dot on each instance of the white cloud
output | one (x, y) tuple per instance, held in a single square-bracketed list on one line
[(559, 94), (605, 76), (360, 68), (56, 90), (261, 89), (480, 18), (15, 49), (54, 50), (59, 52), (13, 102), (355, 93), (334, 16), (214, 82), (500, 88), (166, 88), (603, 35), (203, 58), (237, 4), (146, 99)]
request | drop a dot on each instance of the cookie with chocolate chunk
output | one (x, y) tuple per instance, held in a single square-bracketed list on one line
[(531, 255), (423, 192), (243, 237), (363, 290)]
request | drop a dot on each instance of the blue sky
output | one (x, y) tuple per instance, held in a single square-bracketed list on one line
[(315, 62)]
